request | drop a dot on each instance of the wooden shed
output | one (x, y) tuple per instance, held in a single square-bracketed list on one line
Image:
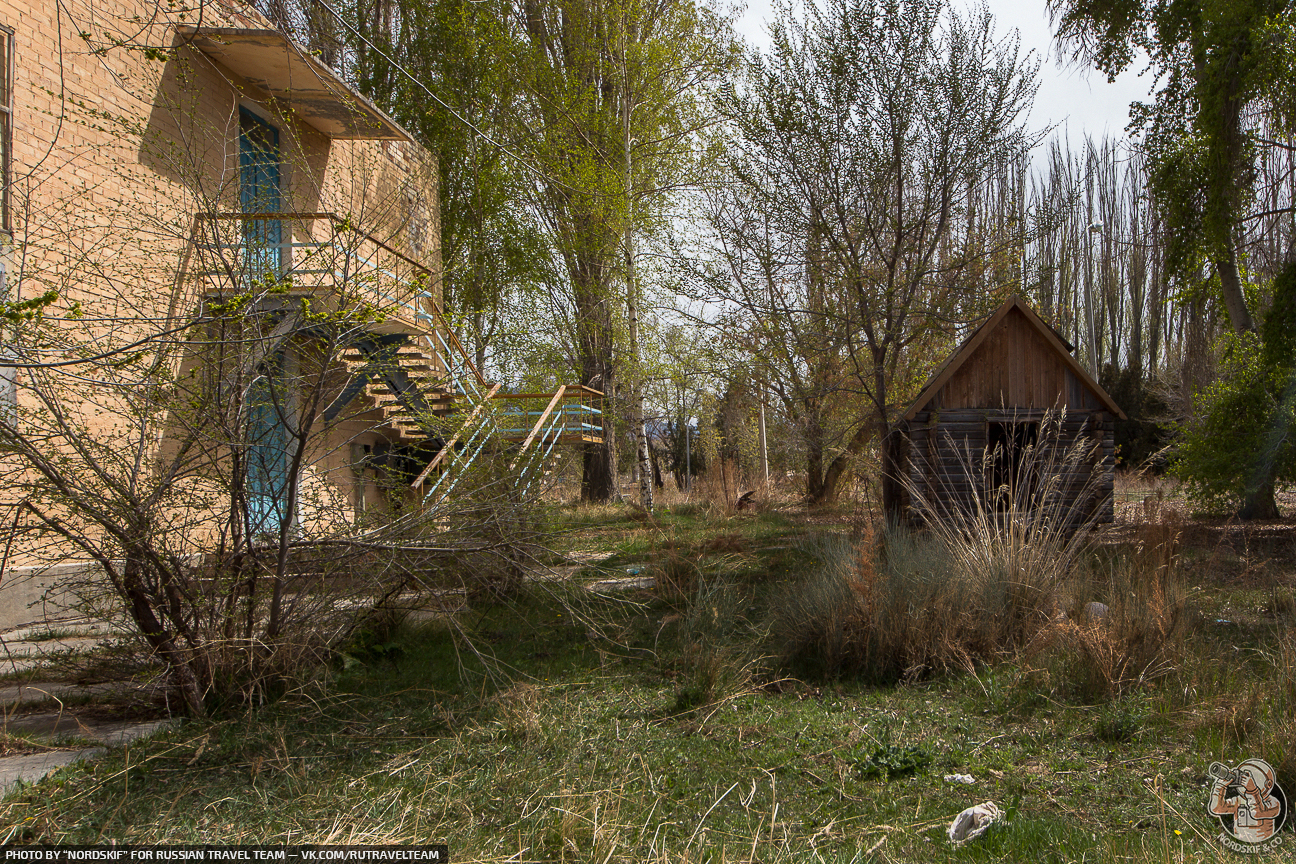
[(991, 396)]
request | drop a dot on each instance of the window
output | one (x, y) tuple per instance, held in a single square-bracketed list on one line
[(6, 124)]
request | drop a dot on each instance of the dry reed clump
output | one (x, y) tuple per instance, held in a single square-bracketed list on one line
[(1124, 625), (903, 606), (721, 485), (986, 578), (1282, 602), (676, 575), (730, 542), (1236, 717)]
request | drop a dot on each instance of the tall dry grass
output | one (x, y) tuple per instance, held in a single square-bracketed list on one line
[(1009, 573), (1135, 637), (901, 608)]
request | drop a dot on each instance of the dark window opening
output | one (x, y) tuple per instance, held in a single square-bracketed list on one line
[(1009, 443), (6, 125)]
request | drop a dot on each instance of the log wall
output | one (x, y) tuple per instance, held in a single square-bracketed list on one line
[(944, 451)]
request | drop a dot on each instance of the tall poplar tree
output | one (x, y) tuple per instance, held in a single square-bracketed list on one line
[(612, 110), (1215, 65)]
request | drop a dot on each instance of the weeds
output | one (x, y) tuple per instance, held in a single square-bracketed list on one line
[(1120, 721), (714, 646), (891, 760), (1136, 639), (901, 609), (546, 726)]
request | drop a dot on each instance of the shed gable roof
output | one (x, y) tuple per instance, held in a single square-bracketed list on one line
[(1047, 334)]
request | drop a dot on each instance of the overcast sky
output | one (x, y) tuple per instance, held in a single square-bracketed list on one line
[(1079, 101)]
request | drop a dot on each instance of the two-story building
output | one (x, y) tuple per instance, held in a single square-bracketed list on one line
[(221, 265)]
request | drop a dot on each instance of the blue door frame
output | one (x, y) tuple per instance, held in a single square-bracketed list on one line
[(260, 175), (268, 399)]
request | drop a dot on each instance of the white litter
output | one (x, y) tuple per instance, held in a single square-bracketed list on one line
[(960, 778), (973, 822)]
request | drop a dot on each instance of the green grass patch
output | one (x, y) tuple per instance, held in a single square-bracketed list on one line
[(567, 725)]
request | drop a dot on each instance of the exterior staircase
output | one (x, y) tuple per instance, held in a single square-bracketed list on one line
[(407, 373), (422, 370)]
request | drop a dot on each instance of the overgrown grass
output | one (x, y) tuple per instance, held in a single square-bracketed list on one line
[(655, 725)]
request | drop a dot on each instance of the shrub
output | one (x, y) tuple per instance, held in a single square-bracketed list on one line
[(980, 582), (1137, 639), (1120, 721)]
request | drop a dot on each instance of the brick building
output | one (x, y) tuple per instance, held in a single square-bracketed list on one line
[(223, 277)]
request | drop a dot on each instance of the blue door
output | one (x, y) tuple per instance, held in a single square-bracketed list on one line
[(268, 407), (259, 176), (268, 399)]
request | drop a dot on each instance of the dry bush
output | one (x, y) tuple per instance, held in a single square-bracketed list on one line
[(676, 575), (902, 608), (1138, 638), (982, 581)]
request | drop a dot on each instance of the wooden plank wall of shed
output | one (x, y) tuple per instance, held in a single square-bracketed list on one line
[(945, 449), (1015, 367)]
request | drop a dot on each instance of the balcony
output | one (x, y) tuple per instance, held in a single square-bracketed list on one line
[(320, 255), (405, 359)]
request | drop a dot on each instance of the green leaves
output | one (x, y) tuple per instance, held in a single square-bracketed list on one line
[(1214, 60), (891, 760), (21, 311), (1243, 440)]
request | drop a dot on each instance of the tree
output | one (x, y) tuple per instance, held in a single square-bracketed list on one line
[(563, 129), (491, 247), (1209, 56), (610, 119), (1220, 65), (859, 142), (1242, 446)]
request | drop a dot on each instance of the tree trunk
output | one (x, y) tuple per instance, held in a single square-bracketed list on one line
[(599, 461), (892, 497), (1260, 502), (831, 477), (1234, 299), (598, 370), (814, 462)]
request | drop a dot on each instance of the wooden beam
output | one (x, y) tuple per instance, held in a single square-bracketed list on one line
[(449, 447), (536, 428)]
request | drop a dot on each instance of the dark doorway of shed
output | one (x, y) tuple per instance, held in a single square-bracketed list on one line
[(1010, 476)]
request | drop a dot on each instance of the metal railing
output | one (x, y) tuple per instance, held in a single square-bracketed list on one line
[(328, 258), (325, 255)]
